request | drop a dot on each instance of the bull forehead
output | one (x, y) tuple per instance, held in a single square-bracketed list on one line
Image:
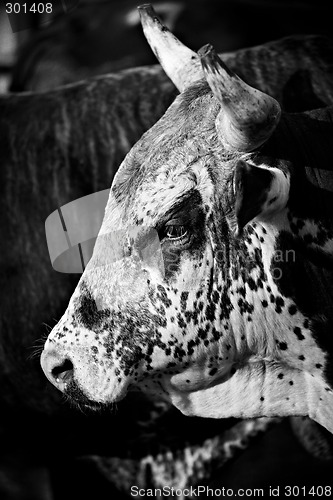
[(158, 168), (155, 199)]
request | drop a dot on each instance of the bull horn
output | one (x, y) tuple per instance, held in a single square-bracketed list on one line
[(248, 116), (181, 64)]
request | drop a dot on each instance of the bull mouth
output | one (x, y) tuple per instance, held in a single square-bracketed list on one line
[(76, 396)]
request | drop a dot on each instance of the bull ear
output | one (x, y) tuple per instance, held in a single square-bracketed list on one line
[(260, 192), (181, 64), (248, 116)]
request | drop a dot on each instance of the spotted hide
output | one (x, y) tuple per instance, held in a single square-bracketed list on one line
[(210, 282)]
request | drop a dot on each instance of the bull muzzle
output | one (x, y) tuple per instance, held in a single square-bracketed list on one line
[(81, 378)]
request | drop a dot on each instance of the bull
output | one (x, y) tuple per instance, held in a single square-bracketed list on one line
[(49, 144), (210, 281)]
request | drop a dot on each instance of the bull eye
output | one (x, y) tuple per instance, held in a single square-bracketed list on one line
[(175, 232)]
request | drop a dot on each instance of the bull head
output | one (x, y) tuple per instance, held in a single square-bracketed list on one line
[(204, 285)]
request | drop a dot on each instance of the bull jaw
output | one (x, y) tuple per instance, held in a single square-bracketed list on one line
[(260, 389)]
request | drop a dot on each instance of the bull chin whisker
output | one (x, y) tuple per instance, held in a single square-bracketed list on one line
[(74, 395), (74, 404)]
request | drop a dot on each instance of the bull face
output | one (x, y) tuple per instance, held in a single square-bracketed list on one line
[(186, 293)]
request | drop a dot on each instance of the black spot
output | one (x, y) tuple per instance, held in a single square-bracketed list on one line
[(189, 315), (163, 296), (264, 303), (260, 283), (212, 371), (216, 334), (280, 376), (179, 353), (190, 346), (262, 398), (318, 365), (291, 382), (202, 334), (183, 300), (225, 305), (252, 284), (245, 306), (210, 311), (87, 312), (272, 200), (283, 346), (298, 333), (181, 321), (301, 357), (292, 309), (279, 301)]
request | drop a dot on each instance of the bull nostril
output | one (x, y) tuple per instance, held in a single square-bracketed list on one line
[(63, 373), (58, 369)]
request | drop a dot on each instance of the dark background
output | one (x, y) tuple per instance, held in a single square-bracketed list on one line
[(94, 37)]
